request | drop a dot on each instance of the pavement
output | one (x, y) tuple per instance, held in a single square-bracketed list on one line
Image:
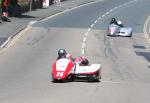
[(11, 29)]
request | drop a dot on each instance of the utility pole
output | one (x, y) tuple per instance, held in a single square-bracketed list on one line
[(30, 5)]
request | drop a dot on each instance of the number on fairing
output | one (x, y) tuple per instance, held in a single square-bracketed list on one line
[(60, 74)]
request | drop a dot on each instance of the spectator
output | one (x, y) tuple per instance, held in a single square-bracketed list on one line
[(4, 6)]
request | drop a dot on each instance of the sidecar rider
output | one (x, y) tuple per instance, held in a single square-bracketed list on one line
[(82, 61), (113, 21), (63, 54)]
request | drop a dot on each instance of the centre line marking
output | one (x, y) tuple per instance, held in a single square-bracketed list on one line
[(107, 13), (99, 18), (111, 10), (95, 21), (86, 33), (92, 25), (83, 45), (84, 39), (89, 29), (103, 15)]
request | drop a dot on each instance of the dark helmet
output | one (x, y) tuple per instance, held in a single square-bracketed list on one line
[(84, 61), (62, 52), (113, 19)]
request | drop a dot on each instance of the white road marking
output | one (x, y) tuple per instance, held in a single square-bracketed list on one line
[(115, 8), (99, 18), (83, 45), (95, 21), (111, 10), (82, 52), (103, 15), (86, 34), (89, 29), (125, 4), (92, 25), (107, 13), (84, 39), (120, 6)]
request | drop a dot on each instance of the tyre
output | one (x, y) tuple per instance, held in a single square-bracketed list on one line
[(70, 78), (130, 35), (93, 78)]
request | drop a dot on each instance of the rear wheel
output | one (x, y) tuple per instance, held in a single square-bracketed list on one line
[(54, 80), (94, 78), (130, 35)]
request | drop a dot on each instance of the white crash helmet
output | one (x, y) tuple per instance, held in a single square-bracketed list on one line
[(119, 23)]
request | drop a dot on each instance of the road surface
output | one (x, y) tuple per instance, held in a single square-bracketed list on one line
[(26, 64)]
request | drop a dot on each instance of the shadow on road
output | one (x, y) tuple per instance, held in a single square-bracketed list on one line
[(25, 16), (146, 55), (139, 47)]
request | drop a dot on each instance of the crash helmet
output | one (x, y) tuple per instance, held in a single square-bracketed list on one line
[(84, 61), (119, 23), (61, 52), (113, 19)]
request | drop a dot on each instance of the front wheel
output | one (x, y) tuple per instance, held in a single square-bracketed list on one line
[(71, 78)]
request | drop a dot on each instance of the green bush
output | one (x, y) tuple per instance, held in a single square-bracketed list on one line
[(22, 7)]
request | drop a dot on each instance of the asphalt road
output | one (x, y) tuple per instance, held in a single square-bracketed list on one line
[(26, 65)]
